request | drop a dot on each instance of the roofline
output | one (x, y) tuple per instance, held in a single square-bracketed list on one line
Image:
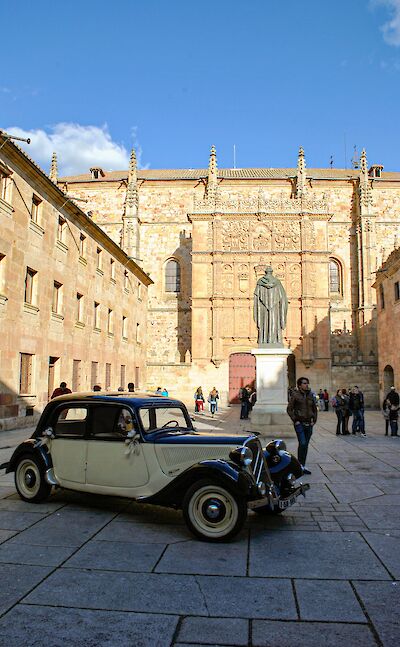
[(65, 205)]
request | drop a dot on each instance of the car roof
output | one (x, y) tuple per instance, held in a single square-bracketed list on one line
[(136, 399)]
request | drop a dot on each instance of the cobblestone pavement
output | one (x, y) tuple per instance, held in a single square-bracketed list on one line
[(85, 570)]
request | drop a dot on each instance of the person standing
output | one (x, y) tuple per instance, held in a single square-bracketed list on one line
[(346, 412), (356, 406), (394, 420), (60, 390), (393, 397), (302, 409), (339, 404), (198, 400), (386, 415), (244, 399), (131, 387), (212, 400), (320, 399), (326, 400)]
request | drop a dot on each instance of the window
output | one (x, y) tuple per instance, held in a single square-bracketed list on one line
[(111, 423), (79, 307), (4, 183), (25, 376), (156, 417), (96, 321), (172, 276), (30, 285), (71, 422), (126, 280), (108, 376), (2, 273), (382, 296), (139, 291), (397, 290), (112, 269), (138, 332), (335, 277), (57, 296), (36, 202), (94, 373), (124, 327), (82, 246), (61, 227), (110, 322), (76, 375), (123, 375), (99, 258)]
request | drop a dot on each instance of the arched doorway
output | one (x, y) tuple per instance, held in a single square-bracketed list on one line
[(242, 371), (388, 379)]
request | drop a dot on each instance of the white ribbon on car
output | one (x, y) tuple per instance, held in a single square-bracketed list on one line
[(132, 442), (47, 435)]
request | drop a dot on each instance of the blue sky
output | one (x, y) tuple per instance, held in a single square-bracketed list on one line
[(172, 77)]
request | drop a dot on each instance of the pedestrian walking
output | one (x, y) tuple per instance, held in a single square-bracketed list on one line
[(386, 412), (394, 420), (244, 399), (356, 406), (198, 400), (302, 409), (60, 390), (212, 400), (321, 402), (339, 404)]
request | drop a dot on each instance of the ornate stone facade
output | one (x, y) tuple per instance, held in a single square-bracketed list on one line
[(324, 231)]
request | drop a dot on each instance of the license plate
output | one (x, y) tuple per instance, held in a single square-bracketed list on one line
[(287, 502)]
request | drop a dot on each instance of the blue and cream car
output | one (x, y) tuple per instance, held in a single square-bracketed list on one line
[(146, 448)]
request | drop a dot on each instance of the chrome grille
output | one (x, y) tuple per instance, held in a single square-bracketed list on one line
[(258, 465)]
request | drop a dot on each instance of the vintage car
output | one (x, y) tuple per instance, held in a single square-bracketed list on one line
[(146, 448)]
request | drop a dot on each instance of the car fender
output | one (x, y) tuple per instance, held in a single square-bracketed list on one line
[(30, 446), (228, 474)]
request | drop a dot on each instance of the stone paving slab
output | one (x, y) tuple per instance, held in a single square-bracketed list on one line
[(65, 528), (382, 601), (245, 597), (144, 533), (10, 520), (17, 581), (116, 556), (328, 600), (318, 555), (379, 517), (386, 547), (142, 592), (200, 558), (310, 634), (14, 553), (349, 493), (212, 631), (6, 534), (39, 625)]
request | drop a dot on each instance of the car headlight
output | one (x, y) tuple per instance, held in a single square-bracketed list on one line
[(262, 488), (241, 456), (291, 479)]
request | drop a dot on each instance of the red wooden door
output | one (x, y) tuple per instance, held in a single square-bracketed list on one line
[(242, 371)]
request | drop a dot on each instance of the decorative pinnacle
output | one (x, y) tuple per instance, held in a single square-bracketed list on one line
[(301, 161), (132, 167), (132, 198), (363, 162), (301, 174), (212, 165), (53, 175)]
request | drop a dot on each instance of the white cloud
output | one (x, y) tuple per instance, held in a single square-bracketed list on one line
[(391, 28), (77, 147)]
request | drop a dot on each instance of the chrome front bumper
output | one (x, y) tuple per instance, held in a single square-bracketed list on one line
[(301, 489)]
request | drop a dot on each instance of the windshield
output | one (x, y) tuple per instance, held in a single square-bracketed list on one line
[(154, 418)]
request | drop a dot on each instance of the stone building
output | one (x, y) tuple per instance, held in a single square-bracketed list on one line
[(387, 286), (206, 235), (73, 305)]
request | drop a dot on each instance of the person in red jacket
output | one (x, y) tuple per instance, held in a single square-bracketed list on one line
[(60, 390)]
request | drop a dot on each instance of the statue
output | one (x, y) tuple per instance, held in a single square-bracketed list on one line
[(270, 309)]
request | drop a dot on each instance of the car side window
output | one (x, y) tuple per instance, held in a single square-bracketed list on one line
[(70, 422), (111, 423)]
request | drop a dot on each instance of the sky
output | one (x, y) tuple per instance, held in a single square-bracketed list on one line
[(173, 77)]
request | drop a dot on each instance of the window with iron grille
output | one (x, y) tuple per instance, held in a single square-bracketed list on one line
[(123, 375), (112, 269), (94, 373), (397, 290), (99, 258), (172, 276), (82, 246), (25, 376), (79, 307), (56, 303), (76, 375), (61, 227), (125, 327), (110, 322), (96, 321), (108, 376), (35, 208)]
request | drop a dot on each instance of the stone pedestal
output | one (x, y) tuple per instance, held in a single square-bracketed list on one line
[(269, 415)]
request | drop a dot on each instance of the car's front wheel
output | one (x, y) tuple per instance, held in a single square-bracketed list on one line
[(30, 479), (212, 512)]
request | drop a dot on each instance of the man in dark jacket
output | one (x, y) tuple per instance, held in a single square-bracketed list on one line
[(356, 406), (393, 397), (303, 412), (60, 390)]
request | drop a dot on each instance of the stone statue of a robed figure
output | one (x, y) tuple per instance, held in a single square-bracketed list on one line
[(270, 309)]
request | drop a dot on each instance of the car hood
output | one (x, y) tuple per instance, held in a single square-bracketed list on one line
[(172, 437)]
